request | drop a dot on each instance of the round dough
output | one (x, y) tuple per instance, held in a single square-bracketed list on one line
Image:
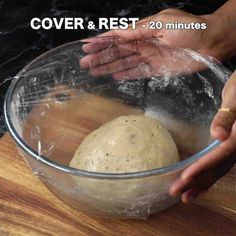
[(127, 144)]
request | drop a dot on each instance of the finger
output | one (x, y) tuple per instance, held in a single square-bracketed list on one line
[(115, 52), (118, 65), (142, 71), (206, 162), (224, 119), (222, 124), (206, 179), (146, 59), (214, 158), (179, 186), (139, 33), (190, 194), (202, 182), (229, 85), (128, 34), (100, 43), (112, 37), (104, 56), (96, 46)]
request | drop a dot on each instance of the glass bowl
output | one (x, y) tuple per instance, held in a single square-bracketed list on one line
[(66, 93)]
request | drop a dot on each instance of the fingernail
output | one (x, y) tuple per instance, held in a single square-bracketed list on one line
[(220, 129), (184, 176), (84, 62), (84, 47), (221, 132), (173, 191)]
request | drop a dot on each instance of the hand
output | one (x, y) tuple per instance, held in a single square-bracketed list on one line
[(135, 59), (126, 58), (194, 39), (201, 175)]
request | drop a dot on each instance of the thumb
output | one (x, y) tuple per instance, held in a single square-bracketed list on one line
[(226, 116)]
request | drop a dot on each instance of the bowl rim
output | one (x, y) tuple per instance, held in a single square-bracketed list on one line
[(99, 175)]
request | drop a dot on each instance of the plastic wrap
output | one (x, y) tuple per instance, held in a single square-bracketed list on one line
[(65, 94)]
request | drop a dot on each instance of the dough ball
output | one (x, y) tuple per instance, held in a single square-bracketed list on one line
[(126, 144)]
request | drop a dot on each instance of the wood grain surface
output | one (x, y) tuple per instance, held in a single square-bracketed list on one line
[(28, 208)]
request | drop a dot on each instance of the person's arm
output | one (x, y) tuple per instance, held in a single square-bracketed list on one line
[(222, 31), (219, 40)]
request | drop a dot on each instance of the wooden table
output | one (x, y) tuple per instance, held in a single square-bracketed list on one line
[(28, 208)]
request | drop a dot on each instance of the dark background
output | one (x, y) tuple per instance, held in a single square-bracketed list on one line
[(19, 44)]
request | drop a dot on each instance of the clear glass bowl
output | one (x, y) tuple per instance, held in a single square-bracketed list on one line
[(66, 93)]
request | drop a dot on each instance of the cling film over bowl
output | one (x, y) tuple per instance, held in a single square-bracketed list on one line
[(67, 93)]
